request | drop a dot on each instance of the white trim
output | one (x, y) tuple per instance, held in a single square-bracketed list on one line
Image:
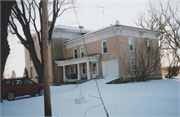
[(64, 74), (78, 74), (103, 47), (132, 43), (109, 32), (80, 50), (88, 71), (78, 60)]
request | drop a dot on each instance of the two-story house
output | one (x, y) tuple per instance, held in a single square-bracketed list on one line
[(94, 53)]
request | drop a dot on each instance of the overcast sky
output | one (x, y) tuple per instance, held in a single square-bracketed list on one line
[(92, 14)]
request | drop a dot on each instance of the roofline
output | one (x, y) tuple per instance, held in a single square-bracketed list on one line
[(113, 25)]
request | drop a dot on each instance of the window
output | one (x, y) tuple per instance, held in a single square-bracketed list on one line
[(94, 68), (71, 69), (35, 39), (75, 53), (8, 82), (133, 60), (31, 72), (83, 68), (149, 47), (81, 51), (30, 57), (104, 47), (18, 82), (28, 82), (131, 45)]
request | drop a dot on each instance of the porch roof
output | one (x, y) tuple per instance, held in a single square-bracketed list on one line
[(77, 60)]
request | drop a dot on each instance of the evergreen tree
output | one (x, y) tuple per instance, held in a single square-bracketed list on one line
[(26, 74)]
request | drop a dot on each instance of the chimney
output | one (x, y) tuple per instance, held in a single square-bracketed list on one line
[(81, 27), (13, 74), (117, 22)]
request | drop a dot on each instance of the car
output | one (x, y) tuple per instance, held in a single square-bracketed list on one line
[(12, 87)]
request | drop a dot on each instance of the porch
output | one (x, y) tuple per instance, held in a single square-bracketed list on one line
[(75, 70)]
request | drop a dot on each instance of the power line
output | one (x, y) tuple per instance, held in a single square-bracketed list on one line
[(90, 61)]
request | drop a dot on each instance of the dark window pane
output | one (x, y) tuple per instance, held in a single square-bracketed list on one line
[(8, 82), (131, 47), (105, 50), (28, 82), (105, 44), (82, 54)]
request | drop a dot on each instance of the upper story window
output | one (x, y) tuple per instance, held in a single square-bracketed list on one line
[(104, 47), (149, 46), (35, 39), (131, 45), (75, 53), (81, 51), (133, 60)]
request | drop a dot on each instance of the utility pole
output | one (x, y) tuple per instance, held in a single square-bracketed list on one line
[(47, 97)]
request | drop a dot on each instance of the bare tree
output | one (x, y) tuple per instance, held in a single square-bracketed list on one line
[(172, 68), (163, 17), (144, 62), (24, 16)]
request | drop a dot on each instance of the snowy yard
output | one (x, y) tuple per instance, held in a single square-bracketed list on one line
[(156, 98)]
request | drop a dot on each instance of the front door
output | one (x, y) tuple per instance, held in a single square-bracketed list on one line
[(94, 69)]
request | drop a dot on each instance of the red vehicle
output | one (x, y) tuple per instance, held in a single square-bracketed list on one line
[(12, 87)]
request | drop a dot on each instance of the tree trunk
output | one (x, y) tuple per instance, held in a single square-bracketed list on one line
[(5, 50)]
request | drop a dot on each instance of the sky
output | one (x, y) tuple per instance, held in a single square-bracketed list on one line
[(92, 14)]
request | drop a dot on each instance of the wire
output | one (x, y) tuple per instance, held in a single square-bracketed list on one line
[(91, 108), (90, 61)]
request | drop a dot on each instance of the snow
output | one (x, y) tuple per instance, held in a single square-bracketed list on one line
[(156, 98)]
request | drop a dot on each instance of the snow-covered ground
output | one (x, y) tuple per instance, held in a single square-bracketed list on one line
[(156, 98)]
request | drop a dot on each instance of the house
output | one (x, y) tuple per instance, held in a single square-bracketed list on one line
[(78, 53)]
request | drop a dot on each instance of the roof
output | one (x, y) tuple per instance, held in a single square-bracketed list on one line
[(64, 28), (115, 25)]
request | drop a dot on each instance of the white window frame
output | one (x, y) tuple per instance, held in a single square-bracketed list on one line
[(150, 45), (133, 62), (81, 51), (32, 75), (74, 53), (71, 69), (132, 44), (82, 68), (103, 47)]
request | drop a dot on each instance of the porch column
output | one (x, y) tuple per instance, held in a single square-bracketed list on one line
[(64, 74), (88, 72), (97, 68), (78, 74)]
